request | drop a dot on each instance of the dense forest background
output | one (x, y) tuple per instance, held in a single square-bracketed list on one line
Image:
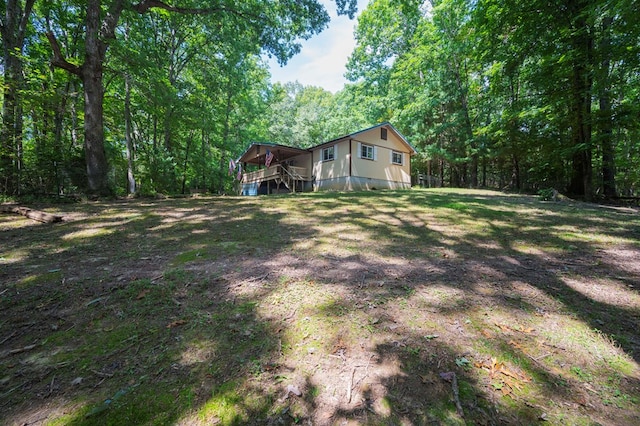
[(144, 96)]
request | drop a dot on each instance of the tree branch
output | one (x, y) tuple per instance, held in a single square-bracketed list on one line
[(110, 22), (58, 60), (28, 7), (145, 5)]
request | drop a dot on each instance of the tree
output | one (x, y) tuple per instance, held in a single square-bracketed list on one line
[(564, 55), (274, 26), (13, 27), (417, 59), (383, 33)]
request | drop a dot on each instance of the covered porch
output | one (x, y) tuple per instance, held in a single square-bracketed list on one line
[(275, 179), (286, 171)]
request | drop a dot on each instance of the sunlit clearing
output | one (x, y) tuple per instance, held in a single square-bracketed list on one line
[(387, 220), (13, 256), (196, 218), (229, 404), (18, 222), (586, 235), (585, 343), (88, 233), (533, 295), (524, 248), (608, 291), (26, 281), (441, 296), (197, 353), (489, 245), (49, 277)]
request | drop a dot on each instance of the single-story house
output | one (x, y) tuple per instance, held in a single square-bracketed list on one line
[(374, 158)]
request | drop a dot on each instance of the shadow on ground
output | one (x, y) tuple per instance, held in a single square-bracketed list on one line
[(323, 309)]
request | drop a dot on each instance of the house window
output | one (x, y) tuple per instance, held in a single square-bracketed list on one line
[(328, 153), (396, 157), (383, 133), (366, 151)]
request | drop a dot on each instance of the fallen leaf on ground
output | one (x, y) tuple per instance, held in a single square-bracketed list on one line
[(506, 390), (176, 323), (517, 345), (487, 334), (504, 328)]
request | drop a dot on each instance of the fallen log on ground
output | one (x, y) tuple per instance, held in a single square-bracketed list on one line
[(38, 215)]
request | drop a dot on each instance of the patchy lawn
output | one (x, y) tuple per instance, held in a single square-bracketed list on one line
[(414, 307)]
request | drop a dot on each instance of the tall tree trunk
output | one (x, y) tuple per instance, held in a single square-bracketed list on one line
[(469, 143), (75, 139), (8, 134), (581, 90), (605, 115), (606, 141), (92, 76), (225, 136), (206, 155), (18, 141), (12, 29), (98, 32), (131, 181), (186, 162), (58, 127), (515, 175), (484, 172)]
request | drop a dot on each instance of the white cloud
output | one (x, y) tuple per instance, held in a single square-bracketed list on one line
[(323, 58)]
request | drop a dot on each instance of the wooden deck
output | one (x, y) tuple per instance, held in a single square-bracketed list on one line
[(291, 176)]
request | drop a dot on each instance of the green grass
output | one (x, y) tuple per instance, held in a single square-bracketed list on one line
[(210, 310)]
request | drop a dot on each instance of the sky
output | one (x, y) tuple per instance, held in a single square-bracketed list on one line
[(323, 58)]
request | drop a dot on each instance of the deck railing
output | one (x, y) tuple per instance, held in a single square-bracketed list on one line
[(262, 174), (274, 172), (299, 173)]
